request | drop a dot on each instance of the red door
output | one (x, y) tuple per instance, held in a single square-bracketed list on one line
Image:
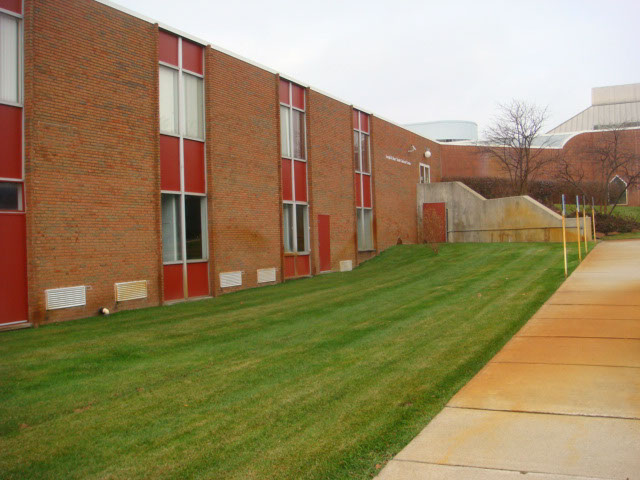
[(434, 222), (13, 268), (324, 242)]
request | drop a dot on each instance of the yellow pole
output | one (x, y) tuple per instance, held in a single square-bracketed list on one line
[(584, 226), (564, 238), (578, 228), (593, 218)]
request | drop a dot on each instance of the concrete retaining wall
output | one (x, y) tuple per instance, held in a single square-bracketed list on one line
[(473, 218)]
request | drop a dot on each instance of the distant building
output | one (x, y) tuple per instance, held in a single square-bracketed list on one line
[(446, 130), (616, 105)]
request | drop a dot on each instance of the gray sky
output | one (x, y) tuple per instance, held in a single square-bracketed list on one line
[(412, 61)]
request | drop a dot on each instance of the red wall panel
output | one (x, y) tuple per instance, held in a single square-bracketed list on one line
[(355, 118), (10, 142), (297, 96), (283, 91), (192, 56), (168, 48), (289, 266), (287, 187), (364, 122), (12, 5), (300, 171), (173, 282), (366, 190), (198, 279), (169, 163), (13, 265), (303, 265), (194, 167), (358, 189)]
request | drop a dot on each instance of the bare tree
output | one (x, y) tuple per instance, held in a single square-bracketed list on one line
[(510, 139), (593, 169)]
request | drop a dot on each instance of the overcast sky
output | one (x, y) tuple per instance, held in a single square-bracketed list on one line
[(412, 61)]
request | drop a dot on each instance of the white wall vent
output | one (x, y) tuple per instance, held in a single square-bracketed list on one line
[(346, 265), (131, 290), (66, 297), (230, 279), (266, 275)]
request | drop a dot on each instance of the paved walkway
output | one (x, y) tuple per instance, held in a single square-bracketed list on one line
[(560, 401)]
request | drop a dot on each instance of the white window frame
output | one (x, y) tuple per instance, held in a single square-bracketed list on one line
[(358, 130), (293, 159), (20, 66), (427, 168), (182, 136), (626, 192)]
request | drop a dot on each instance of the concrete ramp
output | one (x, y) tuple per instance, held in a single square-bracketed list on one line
[(472, 218)]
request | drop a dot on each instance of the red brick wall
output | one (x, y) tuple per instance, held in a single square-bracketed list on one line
[(331, 176), (91, 153), (243, 168), (395, 183)]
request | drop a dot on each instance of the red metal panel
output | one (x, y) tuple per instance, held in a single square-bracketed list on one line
[(303, 265), (300, 178), (434, 222), (366, 190), (283, 91), (192, 56), (169, 163), (12, 5), (297, 96), (289, 266), (287, 187), (364, 122), (358, 196), (10, 142), (355, 118), (168, 48), (198, 279), (13, 265), (173, 282), (324, 242), (194, 180)]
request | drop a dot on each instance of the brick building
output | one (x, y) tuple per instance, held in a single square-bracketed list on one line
[(140, 166)]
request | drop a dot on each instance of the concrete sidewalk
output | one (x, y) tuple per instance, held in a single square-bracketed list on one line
[(560, 401)]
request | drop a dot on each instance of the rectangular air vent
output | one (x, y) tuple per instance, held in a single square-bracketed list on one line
[(346, 265), (230, 279), (266, 275), (131, 290), (66, 297)]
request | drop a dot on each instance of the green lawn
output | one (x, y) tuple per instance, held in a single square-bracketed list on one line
[(322, 378)]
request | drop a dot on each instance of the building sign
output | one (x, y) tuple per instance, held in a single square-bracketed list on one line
[(396, 159)]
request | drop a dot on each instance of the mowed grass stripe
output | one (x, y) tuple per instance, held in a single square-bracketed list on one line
[(317, 378)]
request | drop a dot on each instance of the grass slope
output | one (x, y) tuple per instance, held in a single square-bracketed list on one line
[(317, 378)]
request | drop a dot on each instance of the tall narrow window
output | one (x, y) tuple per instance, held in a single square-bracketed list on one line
[(182, 167), (295, 209), (9, 58), (362, 164), (425, 173)]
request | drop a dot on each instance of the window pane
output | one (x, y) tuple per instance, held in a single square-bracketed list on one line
[(10, 196), (287, 228), (171, 237), (194, 106), (302, 227), (364, 139), (168, 100), (367, 229), (9, 71), (298, 135), (356, 151), (360, 229), (285, 131), (195, 228)]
